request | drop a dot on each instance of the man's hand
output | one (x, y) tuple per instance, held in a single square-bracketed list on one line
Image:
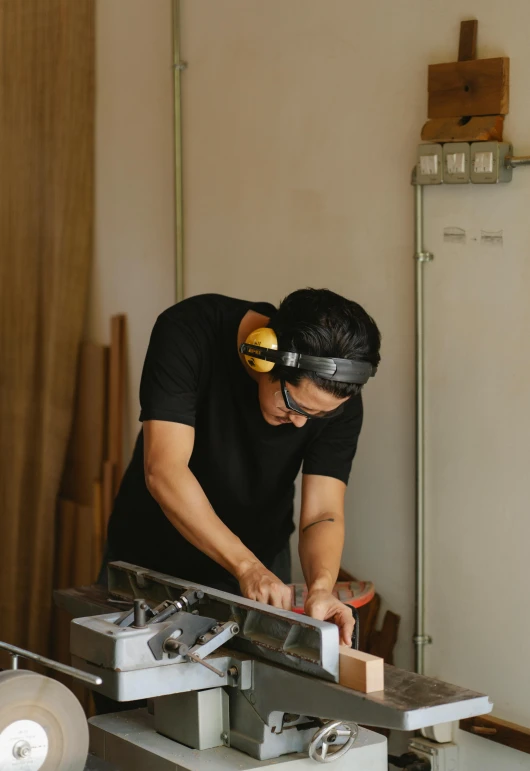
[(325, 606), (258, 583)]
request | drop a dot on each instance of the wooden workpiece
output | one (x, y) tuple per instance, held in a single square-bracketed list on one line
[(360, 671)]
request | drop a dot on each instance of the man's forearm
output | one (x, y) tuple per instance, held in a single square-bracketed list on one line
[(320, 547), (186, 506)]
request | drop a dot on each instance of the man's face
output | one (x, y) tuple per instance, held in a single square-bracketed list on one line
[(305, 395)]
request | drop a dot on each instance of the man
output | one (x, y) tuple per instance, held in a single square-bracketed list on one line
[(208, 494)]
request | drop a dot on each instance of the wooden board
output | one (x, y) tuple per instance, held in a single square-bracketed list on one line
[(499, 731), (98, 529), (487, 128), (478, 87), (117, 376), (87, 437), (83, 563), (467, 48), (107, 494), (66, 525), (360, 671)]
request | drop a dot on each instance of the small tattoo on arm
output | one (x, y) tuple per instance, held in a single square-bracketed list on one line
[(329, 519)]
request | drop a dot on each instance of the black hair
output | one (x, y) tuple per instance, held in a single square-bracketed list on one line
[(319, 322)]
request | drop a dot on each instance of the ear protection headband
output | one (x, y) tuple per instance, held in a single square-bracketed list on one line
[(261, 353)]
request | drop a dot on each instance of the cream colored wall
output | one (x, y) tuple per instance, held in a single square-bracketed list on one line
[(301, 119), (133, 270)]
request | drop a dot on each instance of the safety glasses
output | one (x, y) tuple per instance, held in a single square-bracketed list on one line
[(292, 406)]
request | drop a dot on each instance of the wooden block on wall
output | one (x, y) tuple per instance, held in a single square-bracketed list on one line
[(484, 128), (361, 671), (478, 87)]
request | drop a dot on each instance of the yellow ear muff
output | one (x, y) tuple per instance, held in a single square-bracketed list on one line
[(266, 338)]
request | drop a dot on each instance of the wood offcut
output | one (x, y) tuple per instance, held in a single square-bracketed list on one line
[(361, 671), (499, 731)]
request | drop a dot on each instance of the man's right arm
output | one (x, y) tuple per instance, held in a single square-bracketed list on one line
[(167, 451)]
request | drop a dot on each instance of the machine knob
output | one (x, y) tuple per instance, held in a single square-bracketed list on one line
[(319, 747)]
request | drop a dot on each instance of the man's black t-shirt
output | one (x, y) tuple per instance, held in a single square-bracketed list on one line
[(193, 375)]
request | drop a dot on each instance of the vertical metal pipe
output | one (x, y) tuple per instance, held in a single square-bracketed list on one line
[(178, 67), (421, 257)]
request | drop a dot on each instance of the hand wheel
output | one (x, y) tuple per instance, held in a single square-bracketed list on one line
[(319, 747)]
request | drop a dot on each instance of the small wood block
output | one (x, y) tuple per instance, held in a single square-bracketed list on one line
[(360, 671), (487, 128), (467, 48), (478, 87), (499, 731)]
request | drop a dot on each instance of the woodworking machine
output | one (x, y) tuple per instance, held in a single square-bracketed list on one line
[(234, 684)]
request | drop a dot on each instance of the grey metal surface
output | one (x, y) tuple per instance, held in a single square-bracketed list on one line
[(158, 680), (78, 674), (128, 740), (97, 764), (295, 641), (409, 701), (280, 734), (198, 719)]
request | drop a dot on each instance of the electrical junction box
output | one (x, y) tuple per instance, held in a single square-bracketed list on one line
[(429, 169), (456, 157), (488, 162), (442, 757)]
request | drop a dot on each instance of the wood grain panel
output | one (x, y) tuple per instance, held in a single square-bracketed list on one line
[(479, 87)]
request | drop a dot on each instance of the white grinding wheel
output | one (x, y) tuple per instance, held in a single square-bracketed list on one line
[(42, 724)]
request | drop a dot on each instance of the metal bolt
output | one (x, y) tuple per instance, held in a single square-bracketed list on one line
[(224, 737), (252, 697), (201, 639), (233, 671), (140, 606), (22, 750)]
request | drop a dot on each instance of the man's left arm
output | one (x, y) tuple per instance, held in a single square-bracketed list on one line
[(320, 545)]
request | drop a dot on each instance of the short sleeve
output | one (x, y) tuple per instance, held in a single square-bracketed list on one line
[(332, 451), (172, 370)]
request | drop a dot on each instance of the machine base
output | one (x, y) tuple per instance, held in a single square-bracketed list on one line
[(129, 740)]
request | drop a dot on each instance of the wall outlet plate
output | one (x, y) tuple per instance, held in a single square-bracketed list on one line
[(456, 157), (488, 162), (429, 167)]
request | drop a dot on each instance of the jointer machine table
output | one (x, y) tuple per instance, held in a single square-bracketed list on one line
[(234, 684)]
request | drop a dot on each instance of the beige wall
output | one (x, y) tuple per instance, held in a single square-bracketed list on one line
[(133, 270), (301, 119)]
